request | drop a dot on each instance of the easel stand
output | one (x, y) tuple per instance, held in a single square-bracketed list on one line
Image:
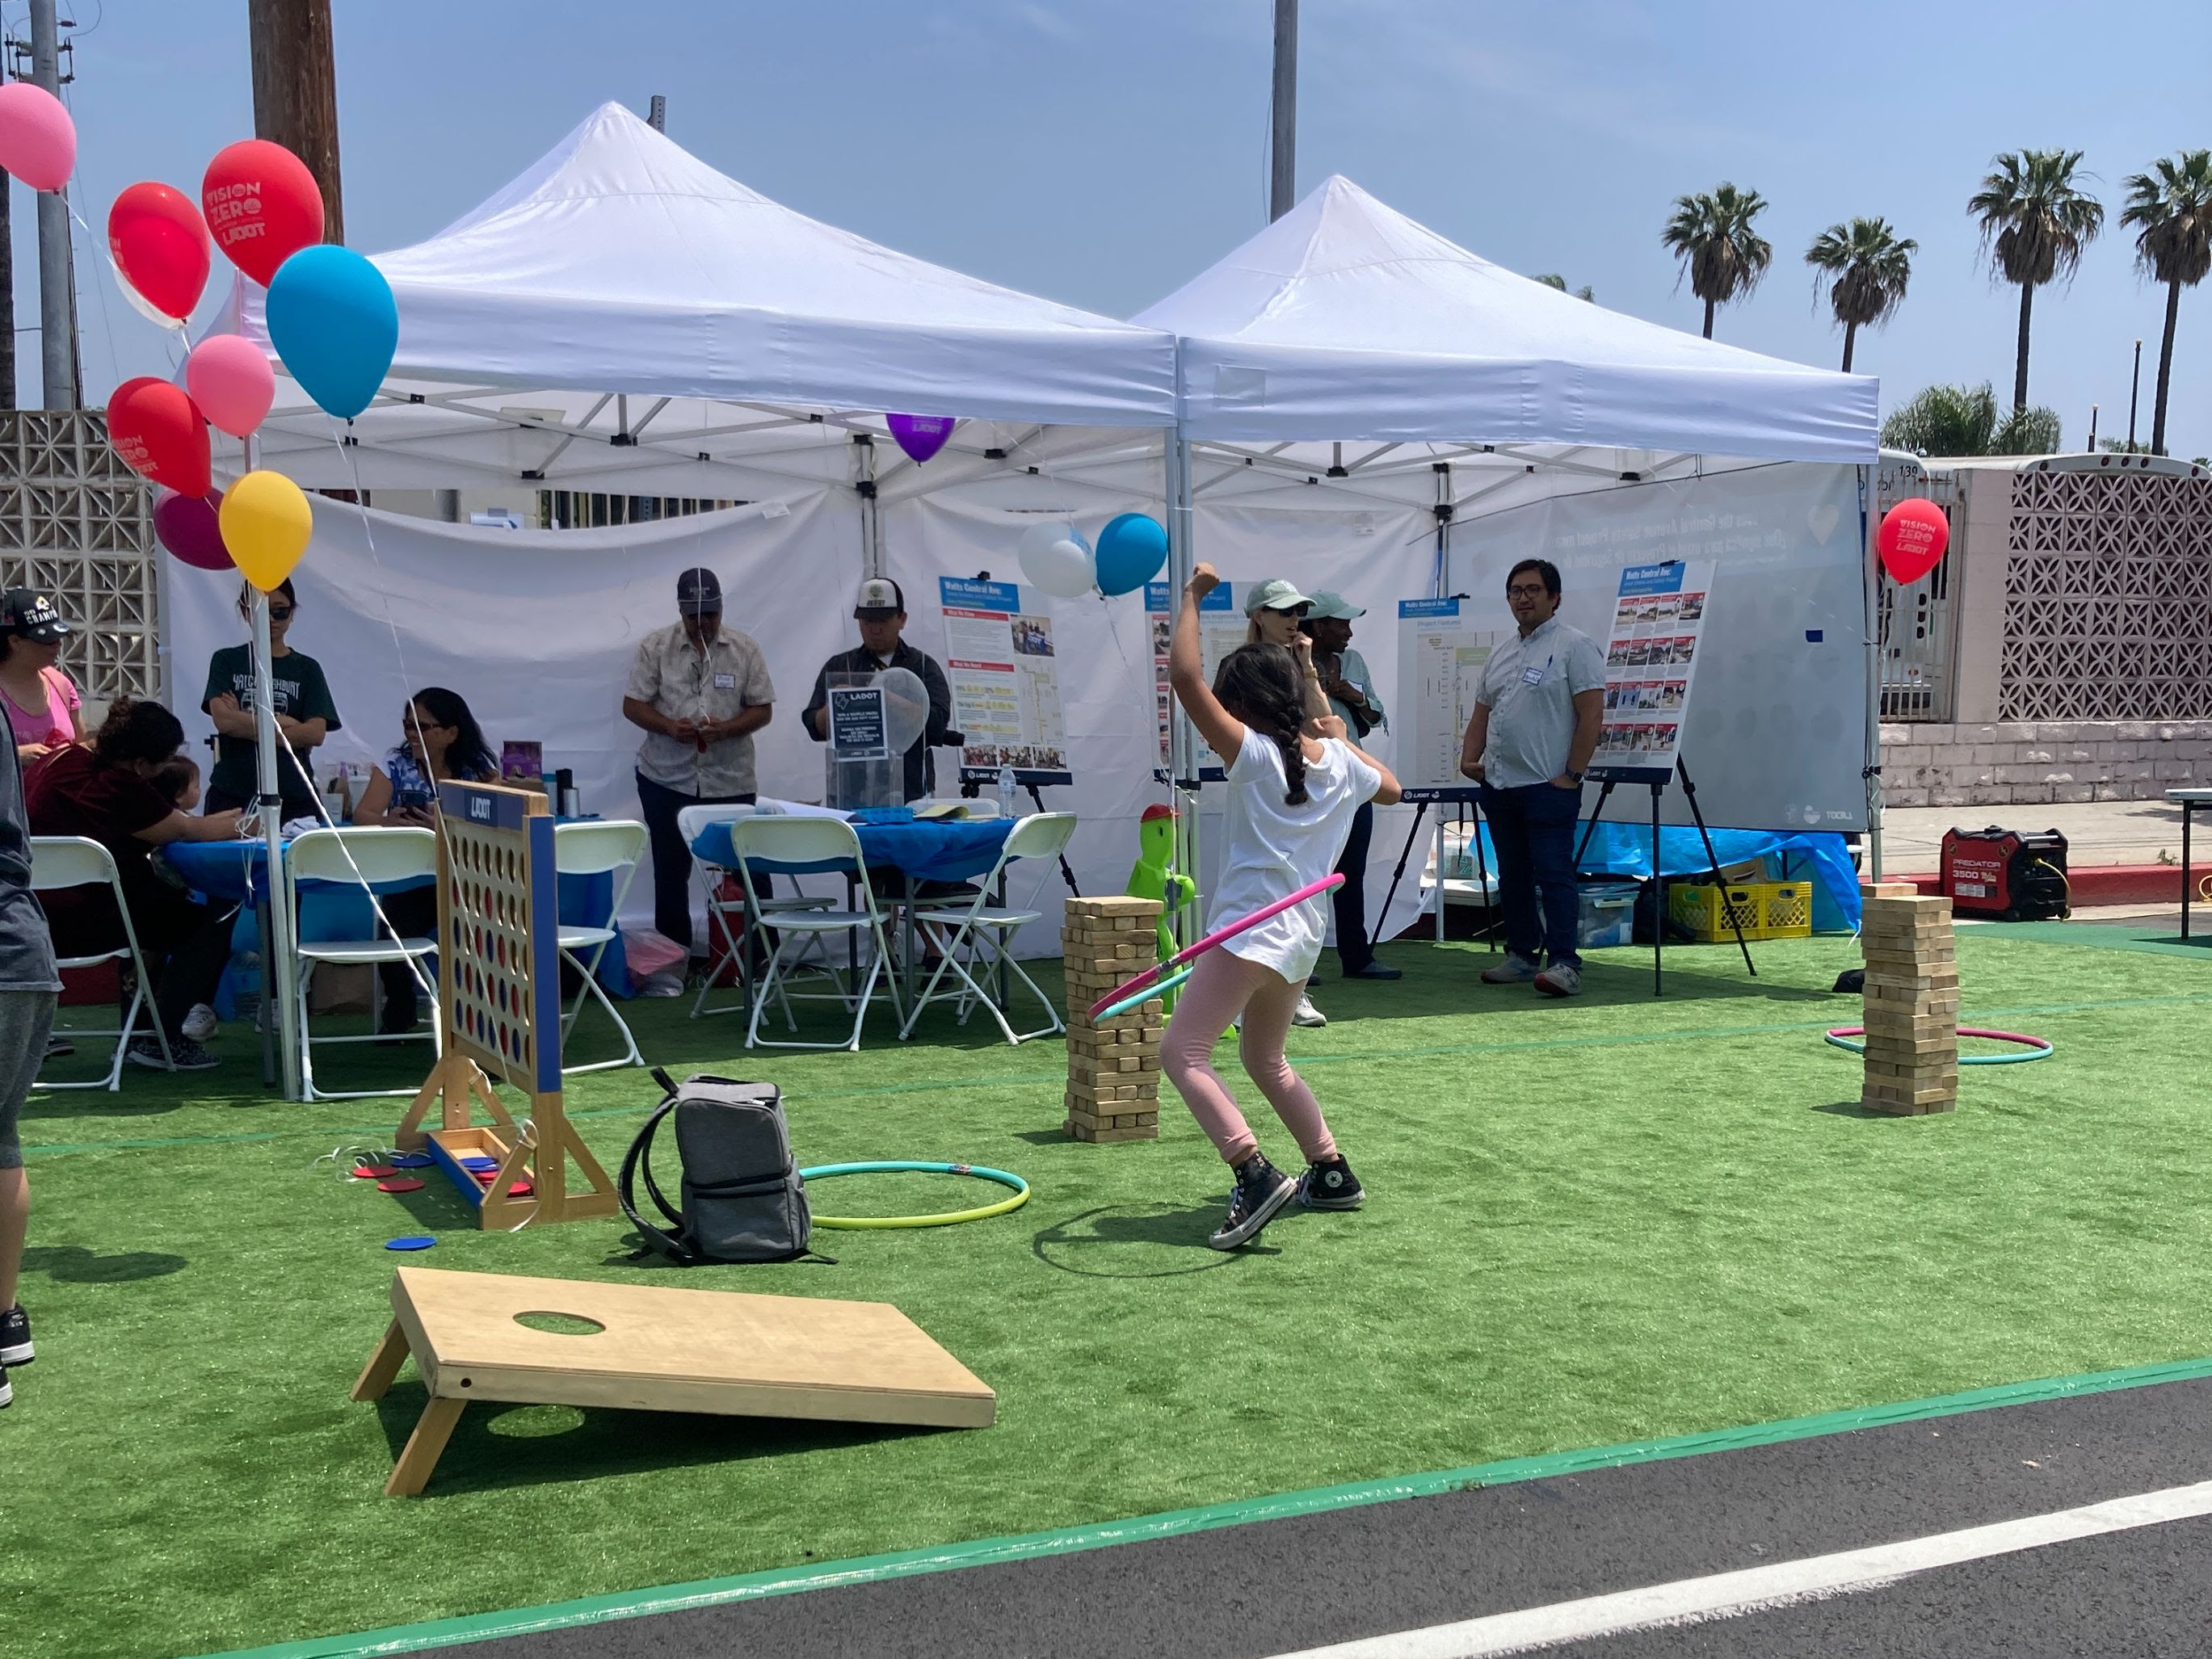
[(499, 1016), (1657, 783), (1471, 800)]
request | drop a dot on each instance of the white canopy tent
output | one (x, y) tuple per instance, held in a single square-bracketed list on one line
[(624, 318)]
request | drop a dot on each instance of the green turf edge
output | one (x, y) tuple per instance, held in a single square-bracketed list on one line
[(1026, 1547)]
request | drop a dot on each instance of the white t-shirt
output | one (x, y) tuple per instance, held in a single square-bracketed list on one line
[(1274, 849)]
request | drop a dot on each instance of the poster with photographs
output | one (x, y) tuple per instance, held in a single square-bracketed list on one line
[(1000, 659), (1650, 656), (1441, 655), (1221, 626)]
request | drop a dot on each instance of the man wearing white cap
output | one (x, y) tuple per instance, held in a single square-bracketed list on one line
[(699, 691), (880, 609), (1350, 688)]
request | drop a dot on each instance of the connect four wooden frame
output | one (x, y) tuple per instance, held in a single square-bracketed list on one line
[(499, 1014)]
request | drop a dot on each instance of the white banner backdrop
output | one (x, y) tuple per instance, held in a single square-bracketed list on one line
[(1777, 732), (537, 630), (1373, 555)]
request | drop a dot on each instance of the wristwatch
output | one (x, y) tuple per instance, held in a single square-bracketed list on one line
[(1573, 776)]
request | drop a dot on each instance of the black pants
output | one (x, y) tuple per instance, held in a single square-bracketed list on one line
[(1353, 952), (413, 915), (186, 945), (1533, 829), (672, 854)]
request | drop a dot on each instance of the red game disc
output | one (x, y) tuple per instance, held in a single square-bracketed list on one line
[(520, 1190), (373, 1171), (399, 1184)]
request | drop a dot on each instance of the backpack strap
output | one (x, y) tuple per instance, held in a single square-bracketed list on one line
[(639, 1157)]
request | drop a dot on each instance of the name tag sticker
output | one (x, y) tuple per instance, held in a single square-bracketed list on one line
[(1532, 677), (726, 682)]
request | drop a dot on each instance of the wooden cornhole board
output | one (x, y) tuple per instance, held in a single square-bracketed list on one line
[(720, 1351)]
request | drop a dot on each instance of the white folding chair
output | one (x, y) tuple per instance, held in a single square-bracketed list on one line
[(611, 849), (723, 939), (62, 862), (789, 846), (979, 935), (352, 857)]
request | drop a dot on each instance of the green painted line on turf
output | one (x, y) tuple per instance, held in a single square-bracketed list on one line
[(1178, 1523), (1023, 1079)]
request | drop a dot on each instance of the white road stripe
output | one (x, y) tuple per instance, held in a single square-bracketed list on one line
[(1727, 1595)]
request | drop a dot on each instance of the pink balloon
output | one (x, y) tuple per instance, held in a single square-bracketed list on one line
[(231, 381), (187, 527), (38, 140)]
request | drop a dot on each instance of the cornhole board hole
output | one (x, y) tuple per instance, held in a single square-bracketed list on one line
[(724, 1353)]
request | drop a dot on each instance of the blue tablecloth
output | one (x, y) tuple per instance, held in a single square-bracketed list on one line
[(926, 850)]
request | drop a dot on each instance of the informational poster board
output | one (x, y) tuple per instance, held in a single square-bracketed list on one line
[(1222, 626), (1650, 657), (1443, 647), (1005, 681)]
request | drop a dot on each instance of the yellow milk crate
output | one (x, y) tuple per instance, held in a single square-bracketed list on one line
[(1764, 909)]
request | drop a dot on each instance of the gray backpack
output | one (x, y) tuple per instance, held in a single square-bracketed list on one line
[(743, 1199)]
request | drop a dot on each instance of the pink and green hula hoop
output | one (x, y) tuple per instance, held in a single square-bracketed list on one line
[(1149, 983), (2032, 1048)]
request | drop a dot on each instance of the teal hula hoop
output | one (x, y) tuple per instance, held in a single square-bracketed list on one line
[(2034, 1047), (907, 1166)]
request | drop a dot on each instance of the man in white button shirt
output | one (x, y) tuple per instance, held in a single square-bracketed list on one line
[(1536, 723)]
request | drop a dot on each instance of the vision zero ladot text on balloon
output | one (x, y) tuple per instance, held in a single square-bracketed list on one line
[(228, 203)]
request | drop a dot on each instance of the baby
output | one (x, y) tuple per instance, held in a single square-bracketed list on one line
[(178, 779)]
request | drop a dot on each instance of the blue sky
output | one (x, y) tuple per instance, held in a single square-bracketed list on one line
[(1101, 153)]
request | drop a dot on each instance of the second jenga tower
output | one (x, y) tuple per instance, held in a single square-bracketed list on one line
[(1114, 1065), (1911, 1002)]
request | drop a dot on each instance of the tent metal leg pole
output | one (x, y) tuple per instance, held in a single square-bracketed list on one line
[(1872, 583), (280, 968), (1184, 750)]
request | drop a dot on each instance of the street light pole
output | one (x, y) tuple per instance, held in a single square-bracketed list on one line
[(2135, 386)]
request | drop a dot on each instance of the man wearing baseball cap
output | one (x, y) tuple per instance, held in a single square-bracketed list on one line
[(1350, 687), (699, 691), (880, 609)]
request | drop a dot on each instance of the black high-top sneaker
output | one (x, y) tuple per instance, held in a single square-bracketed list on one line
[(1331, 1186), (1261, 1190)]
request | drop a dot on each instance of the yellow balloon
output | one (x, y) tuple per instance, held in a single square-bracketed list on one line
[(265, 524)]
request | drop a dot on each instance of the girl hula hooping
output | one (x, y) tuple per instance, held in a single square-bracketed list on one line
[(1294, 784)]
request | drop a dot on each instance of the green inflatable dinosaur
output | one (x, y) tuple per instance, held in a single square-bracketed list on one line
[(1154, 875)]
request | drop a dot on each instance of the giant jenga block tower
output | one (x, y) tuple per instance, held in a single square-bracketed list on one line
[(1911, 1002), (1114, 1065)]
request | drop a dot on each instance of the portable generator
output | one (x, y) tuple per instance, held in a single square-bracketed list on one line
[(2005, 873)]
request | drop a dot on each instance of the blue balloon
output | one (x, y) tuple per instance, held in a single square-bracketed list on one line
[(333, 319), (1132, 550)]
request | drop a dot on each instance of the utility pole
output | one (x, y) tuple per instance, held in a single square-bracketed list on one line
[(295, 92), (656, 113), (2135, 387), (56, 282), (1283, 156), (2093, 428)]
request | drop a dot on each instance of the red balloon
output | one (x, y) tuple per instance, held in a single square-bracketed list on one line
[(158, 432), (160, 246), (188, 527), (1911, 539), (262, 204)]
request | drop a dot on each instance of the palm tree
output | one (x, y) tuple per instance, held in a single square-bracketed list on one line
[(2035, 221), (1552, 279), (1963, 420), (1866, 265), (1712, 236), (2172, 206)]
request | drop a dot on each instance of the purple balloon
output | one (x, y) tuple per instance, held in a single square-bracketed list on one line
[(187, 527), (921, 435)]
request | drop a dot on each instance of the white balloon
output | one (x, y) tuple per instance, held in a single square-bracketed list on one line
[(906, 706), (1055, 558)]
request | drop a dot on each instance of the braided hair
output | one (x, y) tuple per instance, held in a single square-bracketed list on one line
[(1258, 684)]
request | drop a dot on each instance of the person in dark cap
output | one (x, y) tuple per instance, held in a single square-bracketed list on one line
[(44, 710), (699, 691), (880, 609)]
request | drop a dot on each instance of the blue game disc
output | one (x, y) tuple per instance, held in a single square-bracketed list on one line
[(410, 1160), (412, 1242), (479, 1164)]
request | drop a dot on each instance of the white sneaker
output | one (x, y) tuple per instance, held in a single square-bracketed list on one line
[(200, 1024), (1559, 980), (1307, 1015), (1514, 970)]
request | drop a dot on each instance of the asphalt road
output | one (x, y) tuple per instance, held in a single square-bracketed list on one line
[(1279, 1587)]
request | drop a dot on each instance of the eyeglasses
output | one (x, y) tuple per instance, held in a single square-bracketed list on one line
[(280, 613), (1522, 590)]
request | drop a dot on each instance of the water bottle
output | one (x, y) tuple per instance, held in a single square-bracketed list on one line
[(1006, 792)]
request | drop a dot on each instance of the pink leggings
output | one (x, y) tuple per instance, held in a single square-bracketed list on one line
[(1221, 988)]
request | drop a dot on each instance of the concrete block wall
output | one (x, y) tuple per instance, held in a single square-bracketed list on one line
[(2037, 764)]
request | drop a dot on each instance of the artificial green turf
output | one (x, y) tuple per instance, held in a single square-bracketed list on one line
[(1590, 1222)]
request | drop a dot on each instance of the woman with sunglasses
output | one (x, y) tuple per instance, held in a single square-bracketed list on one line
[(439, 739), (306, 715)]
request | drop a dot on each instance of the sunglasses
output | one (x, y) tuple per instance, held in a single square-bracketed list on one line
[(280, 612)]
